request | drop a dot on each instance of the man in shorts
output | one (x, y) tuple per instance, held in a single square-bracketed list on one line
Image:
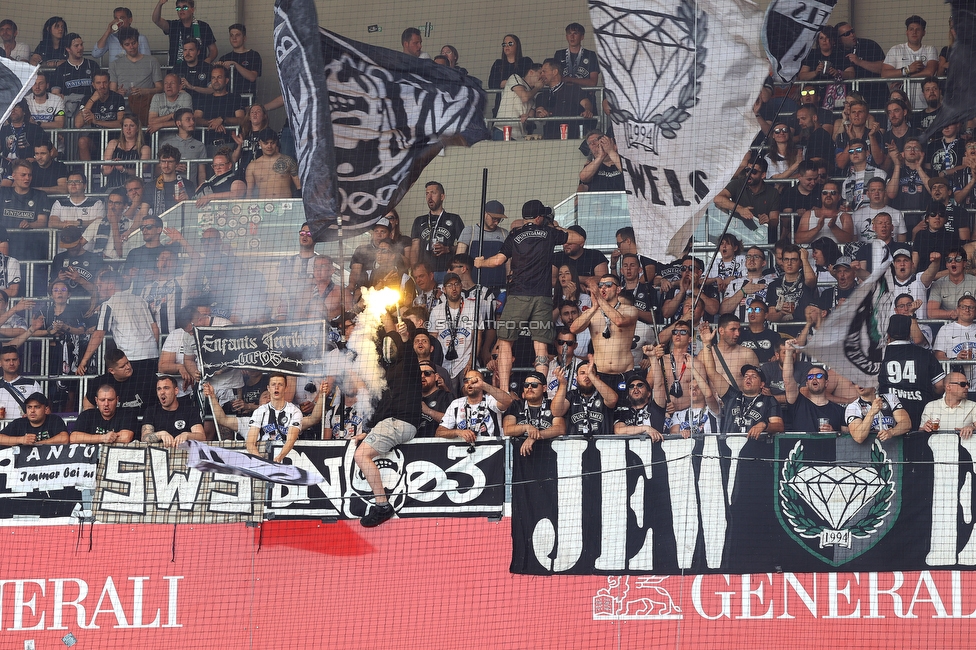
[(529, 301)]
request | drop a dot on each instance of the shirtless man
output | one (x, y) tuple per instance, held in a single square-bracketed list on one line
[(678, 366), (272, 175), (612, 332), (726, 347)]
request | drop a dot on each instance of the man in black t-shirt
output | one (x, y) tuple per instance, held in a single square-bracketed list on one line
[(641, 415), (37, 427), (435, 234), (106, 423), (807, 414), (22, 206), (218, 110), (909, 372), (185, 27), (194, 72), (531, 418), (529, 297), (103, 110), (435, 401), (170, 422), (132, 393), (750, 411), (588, 262), (561, 99), (590, 405)]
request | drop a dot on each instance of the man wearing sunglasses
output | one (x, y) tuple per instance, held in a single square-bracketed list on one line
[(946, 292), (759, 203), (611, 324), (140, 263), (860, 170), (531, 418), (757, 336), (827, 220), (957, 340), (435, 400), (953, 411), (185, 26), (638, 414), (867, 57), (934, 242), (958, 218), (815, 413), (678, 364), (741, 292)]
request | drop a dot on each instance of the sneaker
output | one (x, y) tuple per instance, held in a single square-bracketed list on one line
[(377, 516)]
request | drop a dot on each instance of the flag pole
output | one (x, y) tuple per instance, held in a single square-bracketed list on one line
[(481, 251)]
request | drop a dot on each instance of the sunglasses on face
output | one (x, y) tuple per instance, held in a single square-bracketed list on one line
[(508, 43), (964, 384), (680, 332), (828, 192), (954, 258), (531, 384), (846, 34), (571, 344), (427, 373), (815, 375), (808, 93), (636, 384), (781, 130), (607, 284), (754, 310), (755, 171), (856, 150)]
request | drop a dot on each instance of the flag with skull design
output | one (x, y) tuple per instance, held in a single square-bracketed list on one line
[(366, 119)]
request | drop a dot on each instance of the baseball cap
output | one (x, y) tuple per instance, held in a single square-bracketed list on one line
[(495, 207), (746, 368), (937, 180), (69, 236), (844, 260), (535, 208), (900, 327), (538, 376), (578, 230), (902, 252), (38, 397), (382, 221), (451, 276)]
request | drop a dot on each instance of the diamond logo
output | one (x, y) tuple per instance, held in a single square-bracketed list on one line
[(837, 498)]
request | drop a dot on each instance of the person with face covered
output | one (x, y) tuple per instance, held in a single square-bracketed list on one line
[(477, 412)]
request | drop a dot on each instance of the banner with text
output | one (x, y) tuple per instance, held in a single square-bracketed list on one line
[(796, 502), (45, 481), (291, 348), (140, 483), (425, 477)]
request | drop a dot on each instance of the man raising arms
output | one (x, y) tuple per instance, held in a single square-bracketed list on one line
[(612, 332)]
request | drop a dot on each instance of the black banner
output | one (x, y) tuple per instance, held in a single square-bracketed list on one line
[(45, 480), (367, 119), (424, 478), (797, 503), (291, 348)]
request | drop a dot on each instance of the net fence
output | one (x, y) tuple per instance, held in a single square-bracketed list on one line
[(597, 485)]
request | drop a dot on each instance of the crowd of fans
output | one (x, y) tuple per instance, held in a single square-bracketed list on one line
[(524, 332)]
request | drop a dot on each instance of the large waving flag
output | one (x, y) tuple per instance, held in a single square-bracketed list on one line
[(366, 119), (681, 79), (851, 339)]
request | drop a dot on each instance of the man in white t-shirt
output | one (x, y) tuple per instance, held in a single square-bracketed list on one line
[(46, 108), (478, 413), (912, 59), (877, 202)]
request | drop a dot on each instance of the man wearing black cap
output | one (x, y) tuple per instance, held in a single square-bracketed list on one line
[(588, 262), (37, 427), (454, 323), (909, 372), (637, 413), (529, 300), (531, 417), (74, 265), (935, 239)]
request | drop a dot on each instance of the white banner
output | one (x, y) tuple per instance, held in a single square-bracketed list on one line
[(681, 79), (16, 78)]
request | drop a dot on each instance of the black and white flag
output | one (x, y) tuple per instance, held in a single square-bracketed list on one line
[(227, 461), (851, 339), (790, 30), (366, 119), (676, 73), (16, 78)]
